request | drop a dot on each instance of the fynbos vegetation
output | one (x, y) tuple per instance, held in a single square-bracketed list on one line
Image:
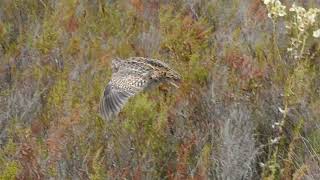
[(247, 106)]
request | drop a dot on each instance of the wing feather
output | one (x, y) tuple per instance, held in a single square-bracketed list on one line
[(123, 85)]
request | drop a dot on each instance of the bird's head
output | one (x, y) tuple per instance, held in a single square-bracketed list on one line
[(173, 78), (115, 64)]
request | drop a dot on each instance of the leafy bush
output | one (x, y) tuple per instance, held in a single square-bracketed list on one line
[(247, 107)]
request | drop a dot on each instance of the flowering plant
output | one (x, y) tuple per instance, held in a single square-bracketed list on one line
[(302, 27), (300, 21), (275, 8)]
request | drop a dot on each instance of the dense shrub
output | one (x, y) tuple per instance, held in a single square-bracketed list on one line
[(248, 106)]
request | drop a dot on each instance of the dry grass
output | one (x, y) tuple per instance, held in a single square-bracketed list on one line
[(220, 124)]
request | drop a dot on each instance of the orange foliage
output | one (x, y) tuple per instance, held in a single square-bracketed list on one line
[(138, 4), (183, 154), (71, 24), (153, 6), (105, 60), (244, 65), (58, 136), (137, 173), (30, 166), (257, 10), (187, 21), (55, 142), (36, 127)]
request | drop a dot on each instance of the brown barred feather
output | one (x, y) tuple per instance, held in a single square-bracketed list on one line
[(131, 76)]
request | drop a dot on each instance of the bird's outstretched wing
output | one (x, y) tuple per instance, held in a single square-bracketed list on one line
[(124, 84)]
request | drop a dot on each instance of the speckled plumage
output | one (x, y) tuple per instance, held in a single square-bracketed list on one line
[(131, 76)]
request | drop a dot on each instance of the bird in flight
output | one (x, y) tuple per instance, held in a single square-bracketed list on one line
[(131, 76)]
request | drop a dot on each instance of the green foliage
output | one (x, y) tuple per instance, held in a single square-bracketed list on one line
[(299, 83), (56, 96), (9, 168), (143, 113), (145, 121), (56, 56), (48, 39), (98, 171), (10, 171), (187, 43), (314, 139), (8, 149)]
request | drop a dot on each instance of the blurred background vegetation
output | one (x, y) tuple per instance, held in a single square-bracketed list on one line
[(246, 108)]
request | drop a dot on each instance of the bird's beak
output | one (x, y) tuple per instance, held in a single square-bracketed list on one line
[(174, 84), (175, 79)]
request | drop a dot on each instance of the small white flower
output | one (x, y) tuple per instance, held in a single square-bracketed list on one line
[(282, 110), (293, 7), (261, 164), (301, 28), (266, 2), (282, 13), (300, 10), (275, 8), (275, 140), (289, 49), (276, 124), (316, 33), (310, 16)]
